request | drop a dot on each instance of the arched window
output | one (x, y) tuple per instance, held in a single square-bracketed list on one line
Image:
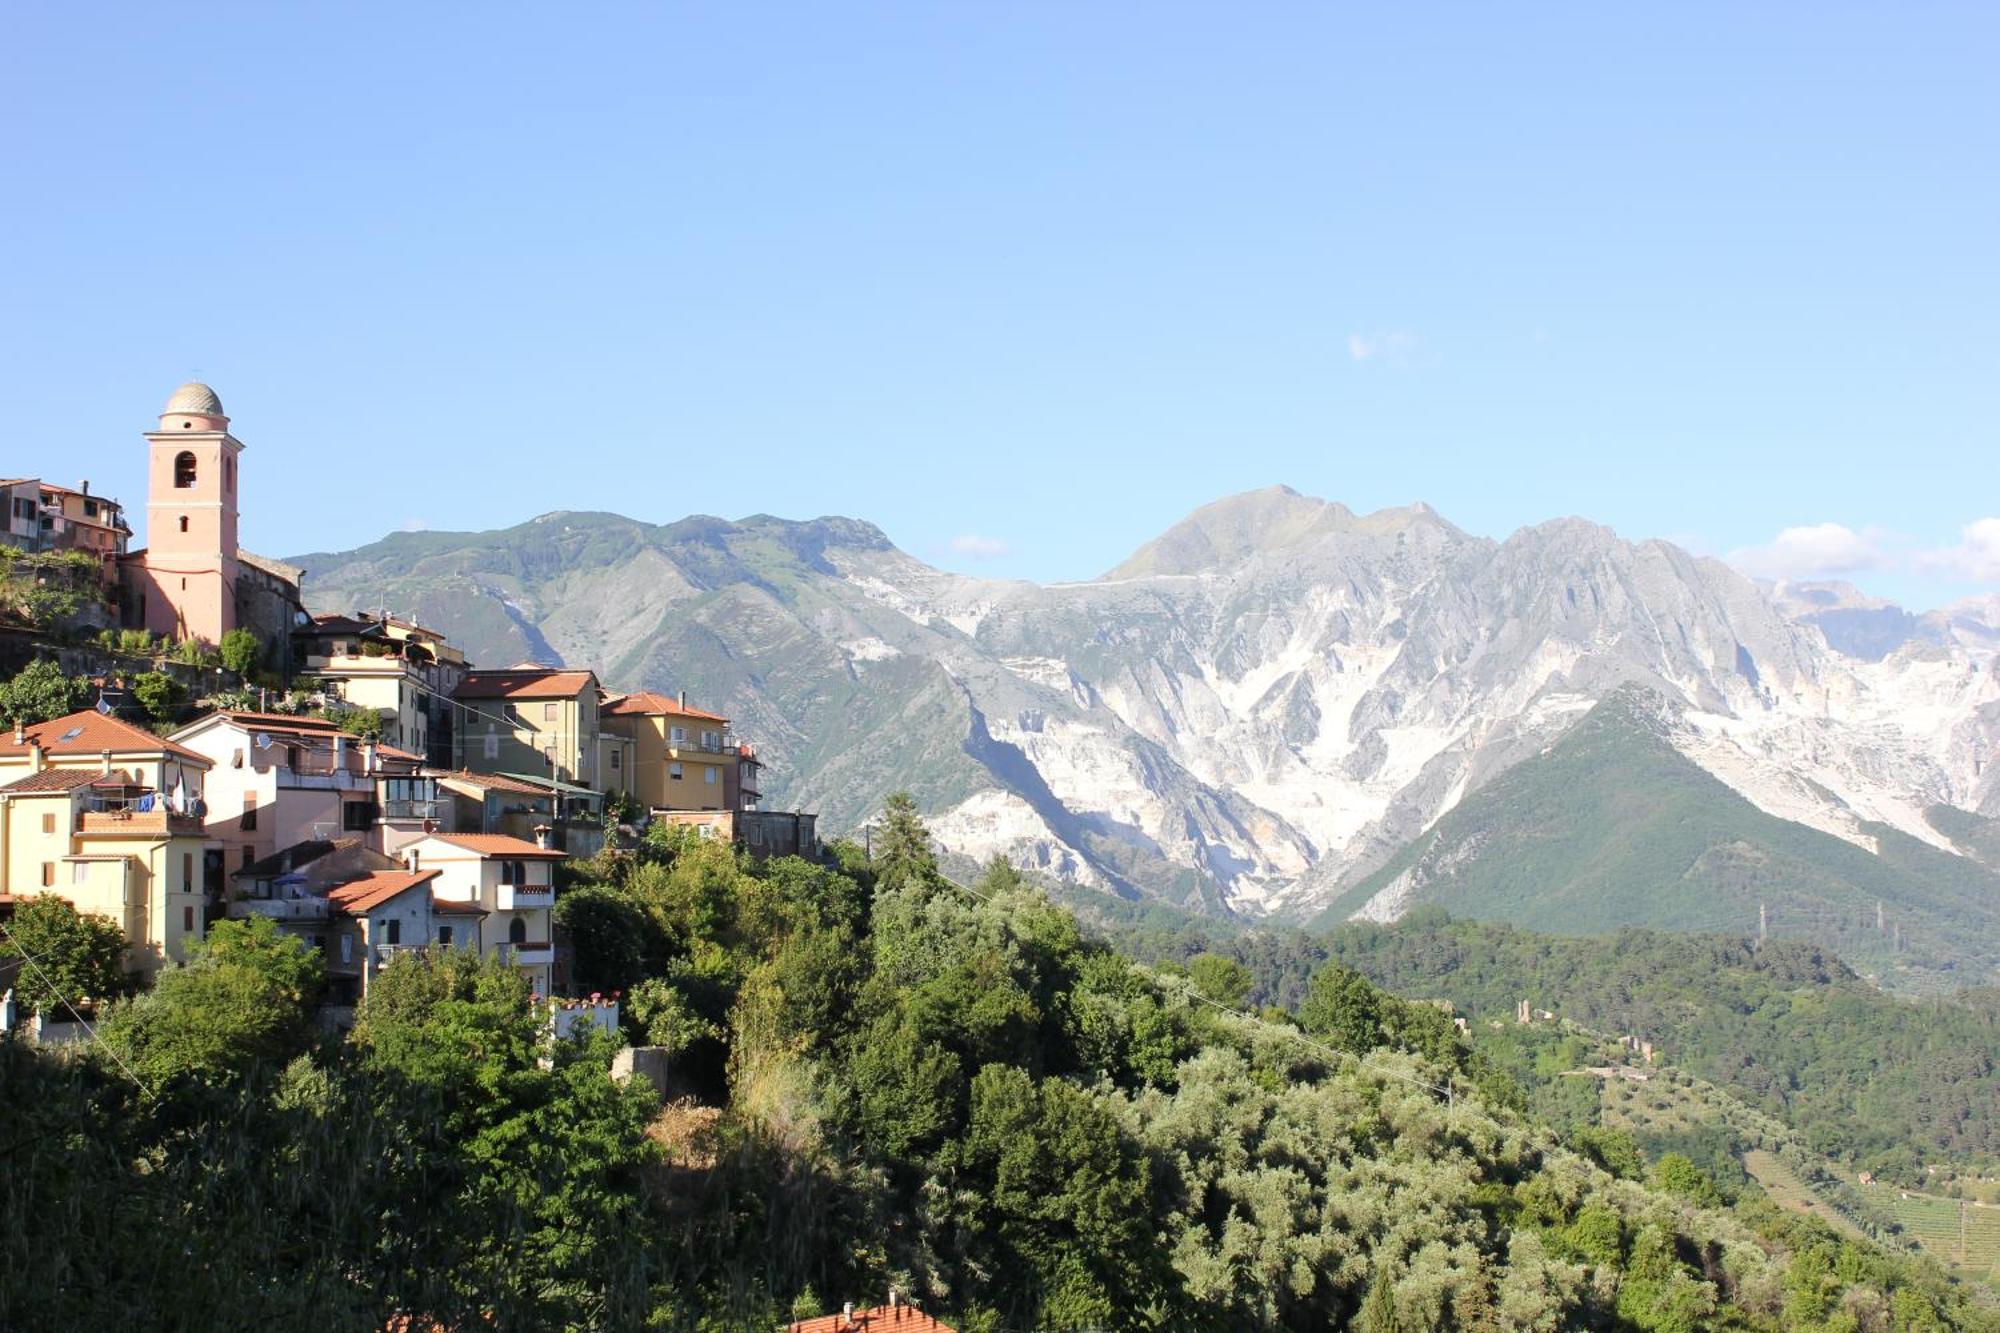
[(183, 471), (184, 522), (517, 930)]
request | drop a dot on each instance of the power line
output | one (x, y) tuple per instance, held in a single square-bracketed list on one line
[(32, 961)]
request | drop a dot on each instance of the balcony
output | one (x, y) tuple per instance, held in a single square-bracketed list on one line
[(531, 954), (410, 809), (521, 897), (322, 779), (386, 952), (138, 824), (280, 909)]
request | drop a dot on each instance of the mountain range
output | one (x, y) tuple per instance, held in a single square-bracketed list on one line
[(1280, 707)]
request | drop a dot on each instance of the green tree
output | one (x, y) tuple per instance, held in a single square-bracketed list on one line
[(1344, 1008), (78, 957), (242, 652), (245, 997), (1221, 979), (42, 691), (902, 846), (1678, 1175), (159, 694)]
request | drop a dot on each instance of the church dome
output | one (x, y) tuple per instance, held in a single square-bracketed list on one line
[(195, 399)]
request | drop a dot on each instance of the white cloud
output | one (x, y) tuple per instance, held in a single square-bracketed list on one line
[(1394, 346), (1976, 558), (975, 547), (1814, 551)]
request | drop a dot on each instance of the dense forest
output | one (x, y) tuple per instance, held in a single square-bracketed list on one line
[(1878, 1082), (882, 1080)]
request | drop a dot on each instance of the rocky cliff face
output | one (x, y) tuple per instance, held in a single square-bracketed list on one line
[(1255, 712)]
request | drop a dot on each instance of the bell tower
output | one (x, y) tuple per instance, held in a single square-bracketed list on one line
[(188, 588)]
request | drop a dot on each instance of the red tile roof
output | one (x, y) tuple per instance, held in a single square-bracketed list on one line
[(276, 721), (881, 1319), (453, 907), (550, 684), (95, 733), (497, 844), (52, 781), (365, 895), (492, 782), (646, 703)]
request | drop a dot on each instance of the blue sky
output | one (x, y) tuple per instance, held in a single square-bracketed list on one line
[(1024, 284)]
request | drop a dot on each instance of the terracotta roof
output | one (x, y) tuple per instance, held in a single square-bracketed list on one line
[(646, 703), (52, 781), (492, 782), (549, 684), (391, 752), (365, 895), (274, 721), (452, 907), (901, 1318), (497, 844), (95, 733)]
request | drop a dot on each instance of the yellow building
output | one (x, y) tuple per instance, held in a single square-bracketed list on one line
[(108, 816), (399, 669), (528, 721), (680, 757)]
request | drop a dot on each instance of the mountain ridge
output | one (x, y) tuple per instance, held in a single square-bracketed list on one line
[(1253, 713)]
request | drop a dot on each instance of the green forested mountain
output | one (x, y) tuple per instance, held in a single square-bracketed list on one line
[(890, 1082), (1612, 826)]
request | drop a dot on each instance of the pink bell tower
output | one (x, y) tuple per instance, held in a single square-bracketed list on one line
[(185, 580)]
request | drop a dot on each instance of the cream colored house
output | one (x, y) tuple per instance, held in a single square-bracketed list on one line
[(108, 816), (530, 722), (396, 668), (511, 880)]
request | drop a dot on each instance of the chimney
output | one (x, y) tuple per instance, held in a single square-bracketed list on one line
[(104, 758), (339, 751), (684, 699), (892, 1298), (847, 1308), (35, 756), (20, 733), (368, 756), (542, 832), (84, 486)]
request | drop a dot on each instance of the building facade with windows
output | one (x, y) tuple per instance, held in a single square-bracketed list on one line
[(529, 722), (512, 884), (397, 668), (681, 758), (109, 817)]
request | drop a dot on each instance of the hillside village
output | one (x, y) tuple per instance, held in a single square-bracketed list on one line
[(351, 777)]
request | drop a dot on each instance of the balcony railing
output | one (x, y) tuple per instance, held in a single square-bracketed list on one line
[(410, 809), (281, 909), (385, 952), (531, 954), (138, 822), (517, 897)]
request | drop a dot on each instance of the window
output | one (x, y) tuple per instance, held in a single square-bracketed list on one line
[(395, 930), (187, 919), (708, 772), (187, 872), (236, 759), (48, 874), (357, 816), (517, 930), (184, 522), (79, 872), (444, 936), (548, 712), (248, 857), (48, 823), (90, 509), (292, 757), (346, 948), (249, 824), (674, 772), (183, 471), (614, 761), (229, 474), (513, 872), (678, 735), (492, 746)]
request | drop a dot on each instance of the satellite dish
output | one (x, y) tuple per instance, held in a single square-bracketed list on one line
[(103, 705), (263, 741)]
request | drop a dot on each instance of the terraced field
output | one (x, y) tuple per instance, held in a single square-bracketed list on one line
[(1788, 1191), (1963, 1235)]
